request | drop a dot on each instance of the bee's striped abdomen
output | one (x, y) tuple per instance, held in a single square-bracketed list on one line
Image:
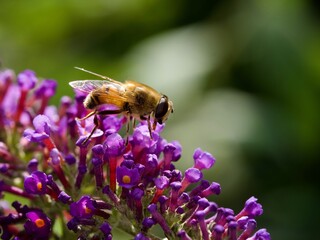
[(91, 101)]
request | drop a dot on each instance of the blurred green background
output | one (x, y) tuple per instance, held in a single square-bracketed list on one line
[(244, 76)]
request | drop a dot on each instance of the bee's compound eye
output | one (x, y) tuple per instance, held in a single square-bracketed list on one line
[(162, 108)]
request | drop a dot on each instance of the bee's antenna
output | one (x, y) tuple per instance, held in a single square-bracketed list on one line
[(96, 74)]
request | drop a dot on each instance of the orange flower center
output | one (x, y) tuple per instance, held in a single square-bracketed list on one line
[(126, 179), (87, 210), (39, 186), (39, 223)]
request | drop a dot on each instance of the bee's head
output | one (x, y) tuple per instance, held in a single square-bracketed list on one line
[(163, 109)]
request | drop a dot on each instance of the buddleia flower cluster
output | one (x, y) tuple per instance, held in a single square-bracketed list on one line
[(56, 185)]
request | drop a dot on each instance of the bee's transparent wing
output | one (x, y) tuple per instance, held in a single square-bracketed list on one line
[(88, 86)]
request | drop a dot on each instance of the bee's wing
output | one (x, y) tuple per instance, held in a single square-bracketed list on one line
[(107, 92), (88, 86)]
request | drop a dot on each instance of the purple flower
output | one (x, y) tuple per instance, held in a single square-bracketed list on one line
[(172, 151), (157, 217), (141, 236), (192, 175), (131, 185), (141, 139), (83, 208), (251, 208), (10, 102), (46, 89), (112, 124), (85, 128), (36, 183), (214, 188), (41, 124), (55, 156), (70, 159), (261, 234), (114, 145), (33, 165), (161, 182), (98, 150), (106, 229), (4, 167), (6, 77), (38, 225), (148, 222), (27, 80), (203, 160), (127, 178), (51, 113), (64, 197)]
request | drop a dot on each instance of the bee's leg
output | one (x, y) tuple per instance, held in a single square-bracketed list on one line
[(88, 115), (96, 124), (129, 119), (149, 126), (134, 123), (96, 121), (109, 112), (154, 125)]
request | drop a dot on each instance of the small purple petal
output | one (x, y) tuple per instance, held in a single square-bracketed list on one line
[(47, 88), (98, 150), (174, 150), (214, 188), (33, 165), (4, 167), (64, 197), (141, 236), (252, 208), (10, 101), (193, 175), (55, 156), (42, 124), (137, 194), (33, 136), (6, 77), (161, 182), (27, 80), (148, 222), (114, 145), (106, 228), (203, 160), (70, 159), (261, 234)]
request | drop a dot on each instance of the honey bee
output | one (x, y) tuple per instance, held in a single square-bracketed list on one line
[(134, 100)]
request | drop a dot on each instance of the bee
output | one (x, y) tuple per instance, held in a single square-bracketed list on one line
[(133, 99)]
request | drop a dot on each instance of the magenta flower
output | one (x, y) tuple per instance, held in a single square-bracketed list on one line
[(79, 189), (38, 225), (82, 208)]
